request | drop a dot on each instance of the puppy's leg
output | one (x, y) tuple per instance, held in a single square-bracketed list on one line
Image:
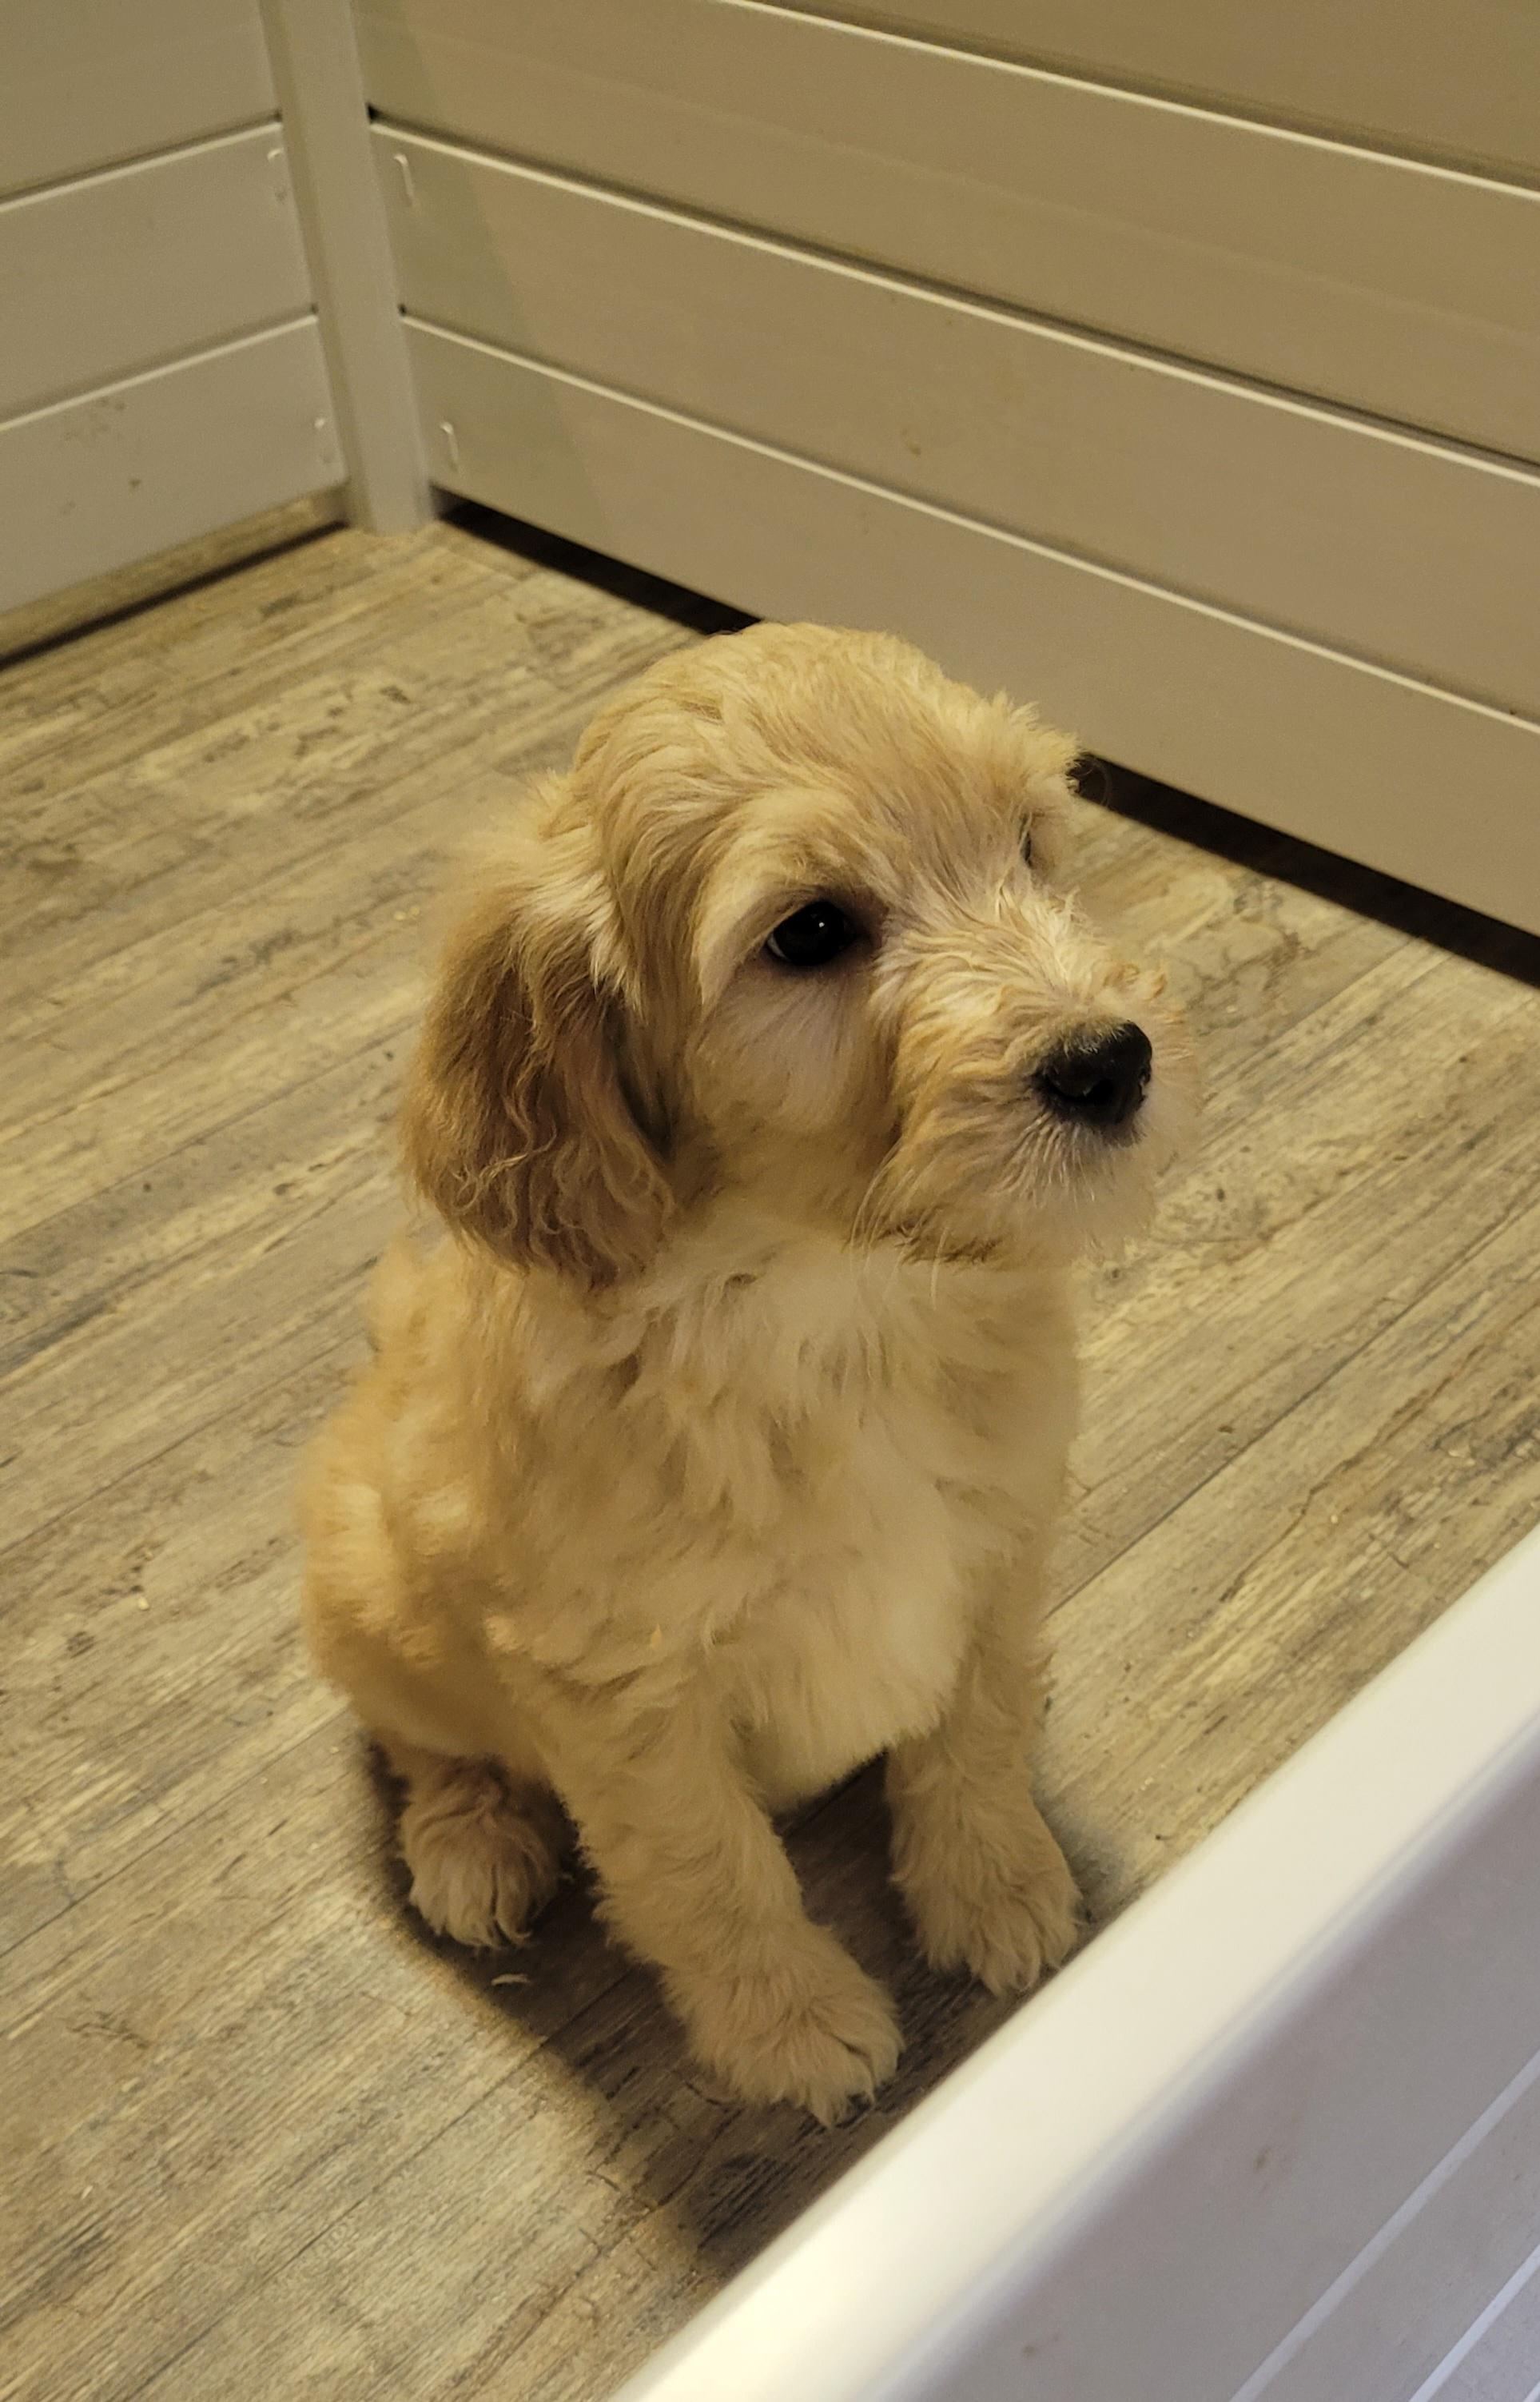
[(697, 1882), (986, 1884), (484, 1853)]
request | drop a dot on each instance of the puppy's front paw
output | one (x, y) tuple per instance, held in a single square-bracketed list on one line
[(810, 2028), (483, 1860), (1005, 1914)]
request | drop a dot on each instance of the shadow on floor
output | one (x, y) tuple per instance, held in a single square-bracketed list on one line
[(728, 2177), (1486, 941), (592, 567)]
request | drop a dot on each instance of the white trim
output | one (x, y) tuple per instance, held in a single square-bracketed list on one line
[(326, 125), (918, 2275)]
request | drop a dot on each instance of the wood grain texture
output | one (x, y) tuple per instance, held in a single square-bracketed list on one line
[(264, 2138)]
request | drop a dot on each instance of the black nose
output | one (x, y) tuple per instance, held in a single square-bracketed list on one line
[(1100, 1081)]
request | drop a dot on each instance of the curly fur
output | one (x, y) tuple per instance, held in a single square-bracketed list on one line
[(719, 1448)]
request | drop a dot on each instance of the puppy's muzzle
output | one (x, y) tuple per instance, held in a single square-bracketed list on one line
[(1099, 1078)]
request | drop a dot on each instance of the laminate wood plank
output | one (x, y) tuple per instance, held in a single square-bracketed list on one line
[(111, 2010), (239, 1002), (110, 1394), (1210, 1650), (236, 992), (126, 654), (149, 847), (263, 2135), (150, 1641), (159, 677), (149, 2134), (1247, 1232), (306, 749), (154, 787)]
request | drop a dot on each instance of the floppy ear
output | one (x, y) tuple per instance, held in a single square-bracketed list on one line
[(514, 1124)]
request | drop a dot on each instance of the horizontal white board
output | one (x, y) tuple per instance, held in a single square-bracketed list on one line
[(113, 273), (1403, 551), (1442, 792), (1499, 2360), (85, 83), (1410, 74), (1405, 2302), (1163, 2164), (1403, 289), (91, 484)]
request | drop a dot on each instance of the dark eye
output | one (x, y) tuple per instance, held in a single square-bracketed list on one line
[(814, 936), (1027, 846)]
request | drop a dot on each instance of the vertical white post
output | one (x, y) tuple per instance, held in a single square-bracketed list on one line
[(326, 128)]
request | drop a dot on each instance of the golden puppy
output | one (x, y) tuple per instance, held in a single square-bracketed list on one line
[(770, 1085)]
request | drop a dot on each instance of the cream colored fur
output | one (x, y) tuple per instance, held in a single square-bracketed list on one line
[(719, 1448)]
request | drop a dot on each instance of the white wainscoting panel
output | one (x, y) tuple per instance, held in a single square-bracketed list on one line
[(1406, 74), (1400, 288), (1408, 779), (90, 484), (1411, 553), (119, 272), (85, 83)]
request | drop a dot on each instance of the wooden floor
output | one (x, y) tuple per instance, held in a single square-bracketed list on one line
[(260, 2137)]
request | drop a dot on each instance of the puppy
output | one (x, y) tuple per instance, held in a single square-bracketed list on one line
[(771, 1083)]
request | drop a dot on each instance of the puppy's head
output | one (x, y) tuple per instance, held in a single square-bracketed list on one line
[(797, 924)]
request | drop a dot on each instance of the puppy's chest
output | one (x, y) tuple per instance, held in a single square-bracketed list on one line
[(892, 1506)]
